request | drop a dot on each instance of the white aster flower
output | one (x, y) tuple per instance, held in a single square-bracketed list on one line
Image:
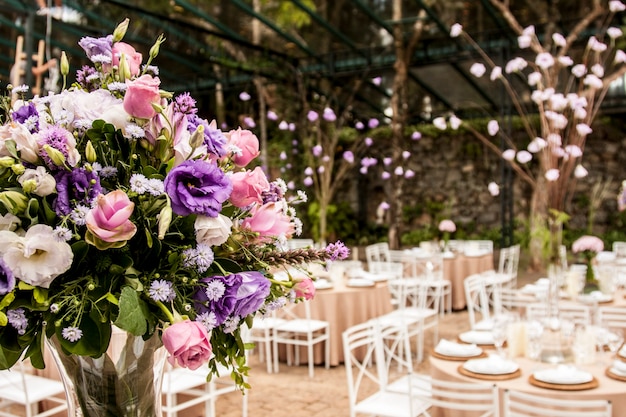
[(477, 69), (36, 258), (580, 171)]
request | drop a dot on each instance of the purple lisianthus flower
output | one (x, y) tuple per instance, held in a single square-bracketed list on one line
[(7, 280), (78, 187), (217, 295), (214, 139), (88, 78), (197, 187), (97, 46), (251, 294), (27, 115)]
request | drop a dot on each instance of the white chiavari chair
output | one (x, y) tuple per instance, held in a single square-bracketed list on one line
[(520, 404)]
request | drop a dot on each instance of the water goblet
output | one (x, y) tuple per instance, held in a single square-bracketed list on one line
[(499, 333), (614, 339)]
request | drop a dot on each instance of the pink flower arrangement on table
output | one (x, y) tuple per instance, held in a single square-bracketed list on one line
[(121, 206), (446, 227), (589, 247)]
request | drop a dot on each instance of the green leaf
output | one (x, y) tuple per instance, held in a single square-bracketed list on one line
[(133, 312), (32, 211), (3, 319), (12, 148), (40, 295), (6, 300)]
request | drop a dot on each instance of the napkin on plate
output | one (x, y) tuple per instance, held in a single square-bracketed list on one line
[(448, 348), (563, 374), (491, 365), (618, 368), (360, 282), (322, 284), (478, 337)]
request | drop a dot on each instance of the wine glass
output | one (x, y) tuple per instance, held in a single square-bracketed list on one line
[(614, 339), (499, 333)]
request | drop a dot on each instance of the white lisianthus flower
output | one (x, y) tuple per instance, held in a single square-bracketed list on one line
[(213, 231), (552, 174), (455, 122), (9, 222), (558, 39), (44, 183), (620, 57), (25, 142), (494, 189), (493, 127), (580, 171), (534, 78), (509, 154), (579, 70), (477, 69), (440, 123), (36, 258), (524, 157), (455, 30), (544, 60), (496, 73)]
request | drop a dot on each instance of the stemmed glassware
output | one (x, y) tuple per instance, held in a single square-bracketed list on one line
[(499, 333), (614, 339)]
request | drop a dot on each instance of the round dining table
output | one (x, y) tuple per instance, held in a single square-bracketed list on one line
[(607, 387), (344, 306)]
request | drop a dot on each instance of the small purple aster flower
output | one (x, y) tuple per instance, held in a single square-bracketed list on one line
[(274, 194), (337, 251), (208, 320), (59, 139), (197, 187), (185, 104), (17, 319), (209, 296), (161, 290), (27, 112), (72, 333), (73, 188), (230, 324), (312, 116), (372, 123), (7, 279), (84, 78)]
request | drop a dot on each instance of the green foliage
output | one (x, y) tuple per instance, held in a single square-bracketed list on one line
[(340, 221)]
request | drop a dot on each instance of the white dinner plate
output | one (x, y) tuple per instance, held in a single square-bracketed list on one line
[(322, 284), (563, 375), (459, 350), (595, 296), (360, 282), (478, 337), (492, 365)]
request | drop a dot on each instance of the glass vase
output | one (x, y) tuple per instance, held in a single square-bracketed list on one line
[(556, 346), (124, 382)]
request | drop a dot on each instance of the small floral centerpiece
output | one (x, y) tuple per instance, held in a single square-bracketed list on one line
[(121, 209), (446, 227), (589, 247)]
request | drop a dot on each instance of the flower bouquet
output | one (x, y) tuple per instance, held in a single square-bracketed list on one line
[(122, 210), (589, 247), (446, 227)]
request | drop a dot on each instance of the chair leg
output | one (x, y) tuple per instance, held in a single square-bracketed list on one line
[(268, 356), (327, 352), (310, 358)]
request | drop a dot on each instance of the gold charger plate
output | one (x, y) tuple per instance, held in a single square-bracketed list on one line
[(614, 376), (564, 387), (490, 377), (438, 355)]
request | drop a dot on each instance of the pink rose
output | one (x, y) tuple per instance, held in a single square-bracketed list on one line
[(248, 186), (188, 343), (247, 144), (212, 231), (305, 289), (133, 58), (109, 220), (140, 94), (269, 220)]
